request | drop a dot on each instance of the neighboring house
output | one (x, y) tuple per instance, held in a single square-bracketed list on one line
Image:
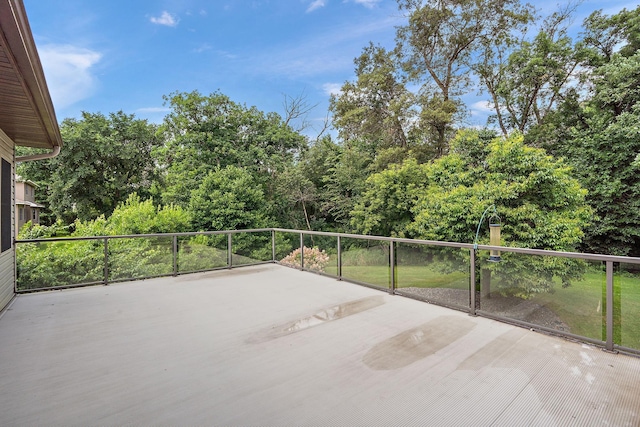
[(27, 119), (26, 207)]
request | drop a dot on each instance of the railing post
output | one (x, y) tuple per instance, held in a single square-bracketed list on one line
[(273, 245), (392, 267), (339, 258), (472, 282), (609, 319), (229, 251), (175, 255), (301, 251), (106, 261)]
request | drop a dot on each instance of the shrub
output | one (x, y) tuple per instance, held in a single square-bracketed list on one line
[(314, 259)]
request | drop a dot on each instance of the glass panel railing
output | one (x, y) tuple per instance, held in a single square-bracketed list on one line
[(288, 248), (140, 257), (626, 306), (202, 252), (434, 273), (60, 263), (366, 261), (320, 254), (563, 294), (251, 247)]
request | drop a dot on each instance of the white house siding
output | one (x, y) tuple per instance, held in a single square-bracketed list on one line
[(7, 258)]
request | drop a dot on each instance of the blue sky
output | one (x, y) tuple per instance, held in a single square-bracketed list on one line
[(105, 56)]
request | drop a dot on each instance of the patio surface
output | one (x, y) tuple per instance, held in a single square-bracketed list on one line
[(273, 346)]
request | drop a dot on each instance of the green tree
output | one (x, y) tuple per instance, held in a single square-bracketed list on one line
[(540, 204), (298, 196), (344, 182), (528, 81), (104, 159), (377, 107), (205, 133), (598, 134), (385, 207), (229, 198), (439, 46)]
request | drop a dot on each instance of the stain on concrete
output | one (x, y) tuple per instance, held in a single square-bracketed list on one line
[(493, 350), (417, 343), (320, 317)]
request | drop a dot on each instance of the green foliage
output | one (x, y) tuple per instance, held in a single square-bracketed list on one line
[(535, 76), (228, 199), (104, 159), (231, 199), (604, 154), (599, 136), (386, 204), (540, 204), (440, 45), (41, 265), (69, 262), (377, 107), (135, 216), (205, 133), (297, 197), (39, 231)]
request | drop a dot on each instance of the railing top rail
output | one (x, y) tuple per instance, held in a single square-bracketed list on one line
[(132, 236), (541, 252), (544, 252)]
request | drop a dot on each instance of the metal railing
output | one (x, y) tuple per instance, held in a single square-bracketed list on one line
[(590, 297)]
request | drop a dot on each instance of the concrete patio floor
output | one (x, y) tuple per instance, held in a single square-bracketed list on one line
[(273, 346)]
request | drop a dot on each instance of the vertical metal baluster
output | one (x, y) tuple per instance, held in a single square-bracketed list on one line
[(175, 255), (472, 282), (392, 267), (106, 261), (229, 252), (609, 344), (301, 251), (273, 245), (339, 258)]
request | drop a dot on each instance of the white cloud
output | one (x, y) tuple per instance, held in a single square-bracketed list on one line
[(481, 108), (164, 19), (316, 4), (202, 48), (367, 3), (330, 51), (332, 88), (68, 72)]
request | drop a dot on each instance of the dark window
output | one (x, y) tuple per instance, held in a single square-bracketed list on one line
[(5, 206)]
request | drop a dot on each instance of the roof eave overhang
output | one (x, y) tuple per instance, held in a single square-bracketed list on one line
[(27, 115)]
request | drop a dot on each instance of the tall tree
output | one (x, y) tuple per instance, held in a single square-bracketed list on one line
[(598, 133), (203, 133), (377, 107), (104, 159), (439, 45), (528, 79)]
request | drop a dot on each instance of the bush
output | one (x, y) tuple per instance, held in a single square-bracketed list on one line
[(314, 259)]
